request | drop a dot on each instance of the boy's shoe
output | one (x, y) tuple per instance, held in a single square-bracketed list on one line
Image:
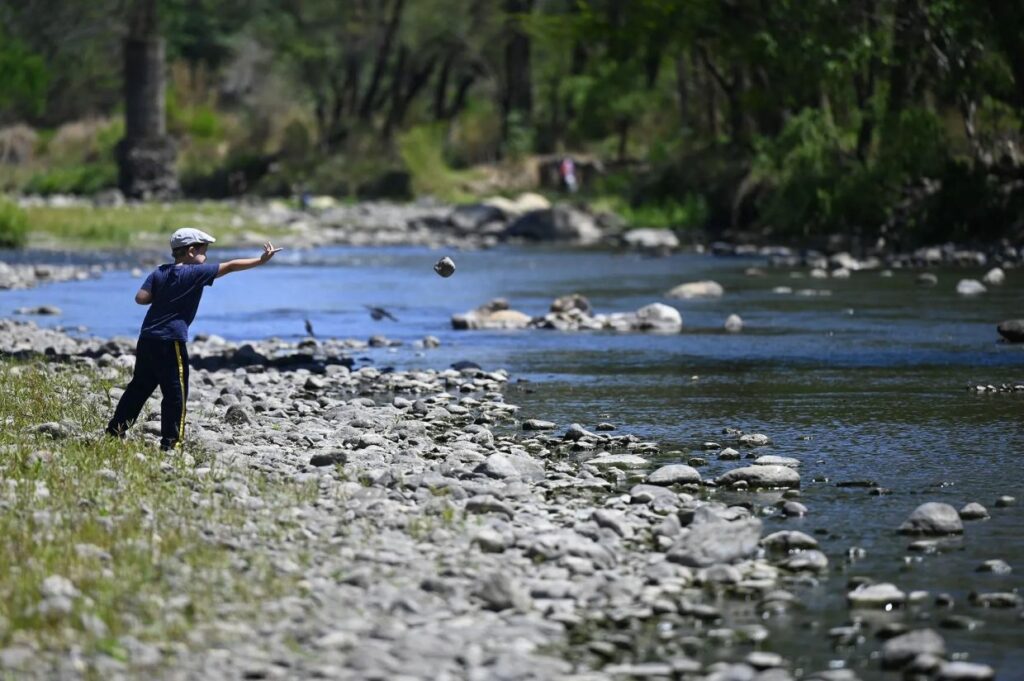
[(169, 445)]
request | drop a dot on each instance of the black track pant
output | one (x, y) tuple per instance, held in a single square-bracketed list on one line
[(163, 363)]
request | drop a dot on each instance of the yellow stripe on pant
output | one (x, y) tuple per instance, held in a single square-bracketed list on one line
[(181, 382)]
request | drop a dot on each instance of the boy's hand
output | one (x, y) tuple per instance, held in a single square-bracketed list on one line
[(268, 252)]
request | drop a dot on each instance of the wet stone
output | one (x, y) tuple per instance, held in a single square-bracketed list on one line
[(995, 566)]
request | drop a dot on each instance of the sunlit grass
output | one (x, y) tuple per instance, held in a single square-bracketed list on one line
[(137, 226), (141, 536)]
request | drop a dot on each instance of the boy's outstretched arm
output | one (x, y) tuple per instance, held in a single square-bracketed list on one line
[(247, 263)]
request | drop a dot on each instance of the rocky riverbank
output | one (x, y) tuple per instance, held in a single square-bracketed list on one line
[(452, 536), (530, 217)]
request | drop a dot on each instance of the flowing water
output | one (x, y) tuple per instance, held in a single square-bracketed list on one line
[(868, 383)]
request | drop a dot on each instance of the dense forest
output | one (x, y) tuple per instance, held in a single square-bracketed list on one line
[(900, 119)]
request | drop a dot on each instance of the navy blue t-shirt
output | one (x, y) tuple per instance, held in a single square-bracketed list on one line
[(177, 290)]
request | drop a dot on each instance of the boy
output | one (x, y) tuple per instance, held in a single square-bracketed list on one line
[(173, 292)]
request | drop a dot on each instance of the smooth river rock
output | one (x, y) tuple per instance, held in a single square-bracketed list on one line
[(973, 511), (901, 650), (933, 518), (1012, 330), (761, 476), (883, 596), (970, 287), (696, 289), (674, 474), (712, 542)]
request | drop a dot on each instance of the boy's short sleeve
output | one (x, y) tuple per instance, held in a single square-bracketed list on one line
[(206, 273), (147, 285)]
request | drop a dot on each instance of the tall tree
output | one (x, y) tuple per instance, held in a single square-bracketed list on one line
[(146, 156)]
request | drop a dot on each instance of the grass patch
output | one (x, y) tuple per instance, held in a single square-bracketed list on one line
[(689, 214), (422, 151), (145, 225), (148, 546), (13, 225)]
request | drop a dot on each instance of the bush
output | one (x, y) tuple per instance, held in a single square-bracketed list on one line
[(86, 178), (13, 225), (422, 150)]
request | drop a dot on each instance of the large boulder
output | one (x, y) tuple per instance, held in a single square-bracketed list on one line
[(674, 474), (651, 239), (900, 651), (711, 541), (493, 315), (658, 317), (697, 289), (934, 518), (561, 223), (570, 303), (473, 217), (1012, 330), (970, 287), (761, 476), (524, 203), (994, 277)]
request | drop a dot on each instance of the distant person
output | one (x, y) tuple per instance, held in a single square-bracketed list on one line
[(567, 169), (173, 292)]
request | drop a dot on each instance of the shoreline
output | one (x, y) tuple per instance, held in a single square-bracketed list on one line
[(475, 541)]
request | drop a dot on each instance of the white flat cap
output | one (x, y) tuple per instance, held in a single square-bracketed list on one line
[(186, 236)]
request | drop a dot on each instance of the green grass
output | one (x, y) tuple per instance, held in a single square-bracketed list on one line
[(147, 225), (13, 225), (422, 151), (136, 532), (690, 214)]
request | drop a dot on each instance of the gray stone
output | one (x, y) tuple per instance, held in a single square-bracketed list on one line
[(1012, 330), (970, 287), (772, 460), (901, 650), (674, 474), (789, 540), (696, 289), (733, 323), (709, 543), (606, 460), (761, 476), (973, 511), (933, 518), (996, 566), (965, 671), (882, 596), (499, 591), (811, 560)]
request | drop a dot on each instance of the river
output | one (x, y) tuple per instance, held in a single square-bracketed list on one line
[(868, 383)]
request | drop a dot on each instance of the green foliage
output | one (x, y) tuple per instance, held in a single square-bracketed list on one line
[(803, 166), (690, 213), (23, 75), (143, 225), (422, 151), (13, 225), (126, 526), (520, 137), (85, 179), (199, 121)]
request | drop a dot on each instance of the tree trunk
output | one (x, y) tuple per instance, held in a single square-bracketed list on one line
[(383, 54), (1008, 18), (146, 155), (905, 43), (683, 89), (441, 89), (518, 95), (623, 129)]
